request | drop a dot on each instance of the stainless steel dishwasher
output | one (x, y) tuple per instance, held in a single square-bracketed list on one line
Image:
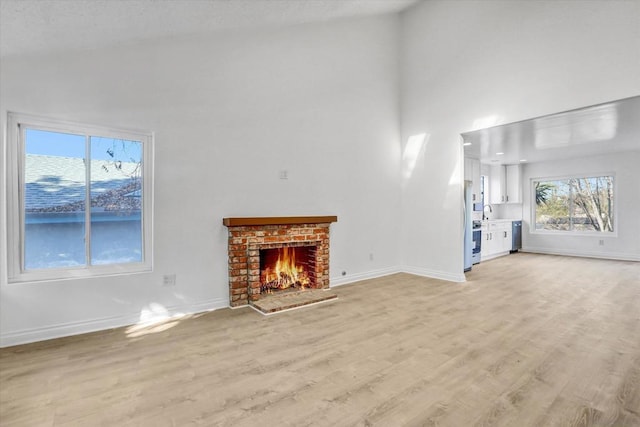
[(516, 236)]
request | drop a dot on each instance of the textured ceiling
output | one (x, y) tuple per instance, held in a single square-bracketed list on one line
[(31, 26)]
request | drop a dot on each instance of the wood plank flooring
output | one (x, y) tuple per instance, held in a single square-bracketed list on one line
[(528, 340)]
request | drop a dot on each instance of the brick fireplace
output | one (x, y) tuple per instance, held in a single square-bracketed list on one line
[(256, 245)]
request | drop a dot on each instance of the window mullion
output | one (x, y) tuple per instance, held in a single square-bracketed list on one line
[(87, 204), (571, 205)]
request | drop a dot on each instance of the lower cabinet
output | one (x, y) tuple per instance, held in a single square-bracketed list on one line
[(496, 239)]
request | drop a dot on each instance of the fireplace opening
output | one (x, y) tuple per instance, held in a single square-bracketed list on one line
[(287, 269)]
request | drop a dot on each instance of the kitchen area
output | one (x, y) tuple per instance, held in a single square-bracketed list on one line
[(564, 174), (493, 210)]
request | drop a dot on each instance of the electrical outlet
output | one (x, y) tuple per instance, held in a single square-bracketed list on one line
[(601, 242), (169, 280), (284, 174), (371, 256)]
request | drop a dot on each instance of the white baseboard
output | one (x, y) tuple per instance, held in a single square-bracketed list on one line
[(418, 271), (434, 274), (492, 256), (585, 254), (26, 336), (350, 278)]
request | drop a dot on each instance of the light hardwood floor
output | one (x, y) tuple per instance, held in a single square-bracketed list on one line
[(527, 340)]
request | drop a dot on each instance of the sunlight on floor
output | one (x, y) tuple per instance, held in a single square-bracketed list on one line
[(153, 319)]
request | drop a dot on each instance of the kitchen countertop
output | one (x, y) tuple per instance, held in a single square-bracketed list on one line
[(494, 221)]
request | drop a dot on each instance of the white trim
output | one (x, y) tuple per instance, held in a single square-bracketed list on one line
[(15, 163), (495, 255), (434, 274), (4, 176), (618, 256), (417, 271), (603, 234), (56, 125), (60, 330), (16, 124), (343, 280)]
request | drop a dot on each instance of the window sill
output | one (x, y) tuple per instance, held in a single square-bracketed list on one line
[(575, 233), (52, 275)]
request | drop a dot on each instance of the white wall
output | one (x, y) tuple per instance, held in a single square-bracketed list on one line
[(625, 243), (229, 112), (467, 60)]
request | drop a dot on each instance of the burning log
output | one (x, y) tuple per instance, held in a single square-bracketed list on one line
[(285, 273)]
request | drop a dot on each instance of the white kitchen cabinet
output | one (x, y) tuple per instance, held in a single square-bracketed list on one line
[(514, 184), (484, 244), (496, 239), (489, 247), (497, 185), (505, 185), (505, 238)]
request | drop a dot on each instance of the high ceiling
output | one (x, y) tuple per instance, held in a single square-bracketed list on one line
[(33, 26)]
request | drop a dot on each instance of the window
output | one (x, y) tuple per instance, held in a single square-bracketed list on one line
[(79, 200), (578, 204)]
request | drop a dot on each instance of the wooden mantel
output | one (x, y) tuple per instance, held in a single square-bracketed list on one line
[(278, 220)]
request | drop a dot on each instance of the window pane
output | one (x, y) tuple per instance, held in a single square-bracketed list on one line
[(582, 221), (54, 199), (116, 201), (593, 198), (552, 205)]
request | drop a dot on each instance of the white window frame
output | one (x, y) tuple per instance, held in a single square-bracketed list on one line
[(15, 199), (532, 188)]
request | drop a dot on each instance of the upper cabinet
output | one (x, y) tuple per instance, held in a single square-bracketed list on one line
[(505, 185), (514, 184), (472, 173), (497, 184)]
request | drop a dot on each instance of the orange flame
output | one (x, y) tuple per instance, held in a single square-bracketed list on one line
[(286, 272)]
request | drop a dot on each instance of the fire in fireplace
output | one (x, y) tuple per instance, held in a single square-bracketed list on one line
[(287, 268)]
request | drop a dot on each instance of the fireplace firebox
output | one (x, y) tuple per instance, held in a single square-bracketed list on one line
[(288, 268), (275, 255)]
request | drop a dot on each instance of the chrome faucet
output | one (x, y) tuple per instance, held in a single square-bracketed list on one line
[(484, 209)]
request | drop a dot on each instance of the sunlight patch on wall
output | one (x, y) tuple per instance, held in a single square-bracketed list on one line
[(413, 149), (154, 312), (456, 177), (454, 186), (154, 318)]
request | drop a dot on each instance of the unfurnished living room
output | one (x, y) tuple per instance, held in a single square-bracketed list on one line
[(319, 212)]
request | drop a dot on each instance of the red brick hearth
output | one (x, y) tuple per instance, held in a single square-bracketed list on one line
[(249, 236)]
